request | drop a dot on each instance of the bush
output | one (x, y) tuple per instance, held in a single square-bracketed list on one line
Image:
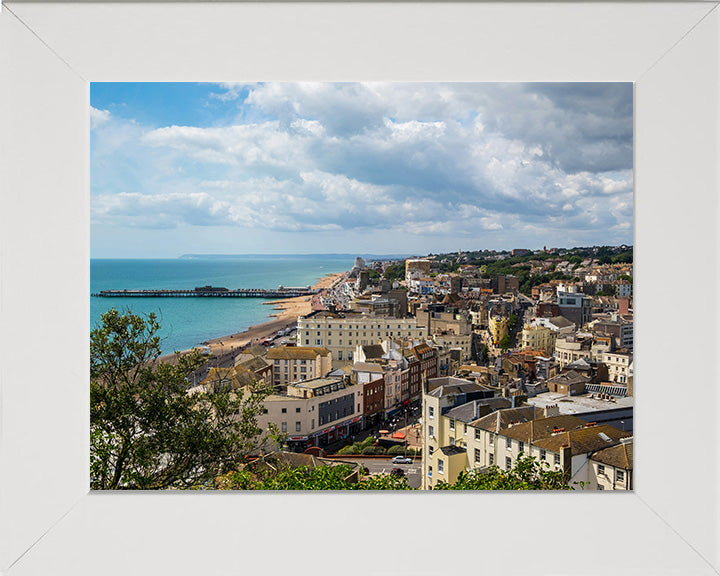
[(393, 450), (369, 441), (352, 449), (368, 450)]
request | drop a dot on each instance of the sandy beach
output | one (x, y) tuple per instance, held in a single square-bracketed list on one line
[(288, 311)]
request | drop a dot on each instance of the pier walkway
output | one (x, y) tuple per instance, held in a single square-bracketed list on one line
[(209, 292)]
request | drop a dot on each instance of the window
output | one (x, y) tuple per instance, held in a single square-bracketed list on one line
[(297, 426), (542, 454), (521, 446), (477, 456), (283, 426), (431, 431), (508, 443), (491, 459), (441, 467), (601, 469), (431, 412), (557, 459), (452, 441), (620, 475), (265, 411), (492, 438), (452, 424), (601, 487), (477, 434), (429, 470), (430, 449), (312, 423), (508, 463), (284, 410), (297, 410)]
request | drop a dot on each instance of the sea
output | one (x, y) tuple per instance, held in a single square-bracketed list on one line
[(187, 322)]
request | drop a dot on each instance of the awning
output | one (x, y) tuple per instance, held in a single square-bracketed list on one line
[(297, 438), (399, 435), (384, 431)]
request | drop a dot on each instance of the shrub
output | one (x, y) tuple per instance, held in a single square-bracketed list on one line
[(352, 449), (368, 450), (396, 450)]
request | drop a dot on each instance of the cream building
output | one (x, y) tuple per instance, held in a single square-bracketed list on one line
[(498, 328), (341, 333), (316, 411), (296, 363), (453, 441), (539, 338), (571, 348), (612, 468), (618, 364)]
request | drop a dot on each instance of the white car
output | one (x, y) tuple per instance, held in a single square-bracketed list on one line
[(401, 460)]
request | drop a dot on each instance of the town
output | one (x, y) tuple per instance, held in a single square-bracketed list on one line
[(433, 366)]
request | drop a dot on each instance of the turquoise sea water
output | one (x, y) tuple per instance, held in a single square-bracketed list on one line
[(186, 322)]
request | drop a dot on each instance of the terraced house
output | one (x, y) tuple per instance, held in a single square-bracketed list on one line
[(461, 433)]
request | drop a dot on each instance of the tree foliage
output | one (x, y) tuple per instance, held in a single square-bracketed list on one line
[(146, 431), (505, 342), (395, 272), (339, 477), (527, 474)]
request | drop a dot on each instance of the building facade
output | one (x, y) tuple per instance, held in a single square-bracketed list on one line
[(341, 333), (297, 363)]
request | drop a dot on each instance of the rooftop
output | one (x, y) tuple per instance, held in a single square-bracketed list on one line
[(470, 410), (620, 456), (578, 404), (585, 440), (534, 430), (296, 353)]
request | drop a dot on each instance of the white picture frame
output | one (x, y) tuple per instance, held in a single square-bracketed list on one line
[(51, 524)]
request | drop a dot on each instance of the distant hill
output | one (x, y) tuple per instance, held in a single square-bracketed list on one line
[(298, 256)]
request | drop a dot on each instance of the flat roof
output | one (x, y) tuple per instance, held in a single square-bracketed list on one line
[(317, 383), (578, 404)]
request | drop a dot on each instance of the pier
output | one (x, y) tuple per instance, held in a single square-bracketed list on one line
[(210, 292)]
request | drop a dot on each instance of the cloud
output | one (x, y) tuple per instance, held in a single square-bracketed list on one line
[(98, 117), (505, 161)]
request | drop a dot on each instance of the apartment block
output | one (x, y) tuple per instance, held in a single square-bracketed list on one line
[(342, 332), (297, 363)]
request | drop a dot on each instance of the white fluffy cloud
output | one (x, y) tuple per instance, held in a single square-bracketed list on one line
[(527, 164)]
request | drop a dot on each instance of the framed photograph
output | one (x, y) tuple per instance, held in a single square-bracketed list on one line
[(49, 520)]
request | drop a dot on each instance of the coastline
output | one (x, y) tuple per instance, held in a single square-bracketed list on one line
[(288, 310)]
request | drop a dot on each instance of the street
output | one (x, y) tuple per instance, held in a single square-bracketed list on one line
[(385, 465)]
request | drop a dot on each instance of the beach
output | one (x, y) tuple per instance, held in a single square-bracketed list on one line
[(288, 310)]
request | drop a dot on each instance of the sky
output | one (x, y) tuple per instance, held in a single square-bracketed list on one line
[(358, 168)]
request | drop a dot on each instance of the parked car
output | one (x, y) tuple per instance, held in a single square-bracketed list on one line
[(397, 472), (401, 460)]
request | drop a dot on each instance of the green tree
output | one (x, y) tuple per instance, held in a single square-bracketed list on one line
[(505, 342), (395, 272), (146, 431), (339, 477), (527, 474)]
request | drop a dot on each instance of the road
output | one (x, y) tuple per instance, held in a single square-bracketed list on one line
[(383, 466)]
